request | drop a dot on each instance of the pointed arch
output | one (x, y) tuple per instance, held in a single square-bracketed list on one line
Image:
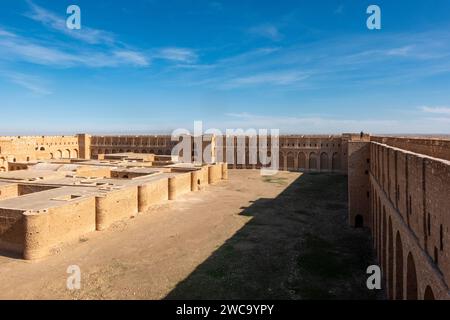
[(301, 160), (323, 161), (335, 163), (411, 278), (398, 267), (313, 161)]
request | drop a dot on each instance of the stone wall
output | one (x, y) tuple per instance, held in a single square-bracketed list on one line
[(408, 216)]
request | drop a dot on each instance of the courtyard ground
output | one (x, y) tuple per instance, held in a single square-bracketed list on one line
[(252, 237)]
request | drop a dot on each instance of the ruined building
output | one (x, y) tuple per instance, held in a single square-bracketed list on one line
[(398, 188)]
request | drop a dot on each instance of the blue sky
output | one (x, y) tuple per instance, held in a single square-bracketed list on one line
[(153, 66)]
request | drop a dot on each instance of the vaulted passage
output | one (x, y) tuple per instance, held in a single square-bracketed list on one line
[(301, 160), (290, 161), (323, 161), (398, 267), (429, 295), (390, 261), (335, 164), (313, 161), (384, 241), (411, 279), (359, 221)]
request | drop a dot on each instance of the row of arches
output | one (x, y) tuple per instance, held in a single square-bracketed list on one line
[(398, 267), (150, 151), (64, 154), (310, 161)]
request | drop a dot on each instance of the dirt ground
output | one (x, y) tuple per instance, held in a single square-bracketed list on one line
[(252, 237)]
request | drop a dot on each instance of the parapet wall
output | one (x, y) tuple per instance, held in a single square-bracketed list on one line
[(438, 148), (408, 216), (43, 230), (116, 205)]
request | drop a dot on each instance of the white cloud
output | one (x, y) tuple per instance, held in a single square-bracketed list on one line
[(282, 78), (55, 22), (436, 110), (31, 83), (20, 48), (133, 57), (331, 125), (177, 54), (267, 31), (4, 33)]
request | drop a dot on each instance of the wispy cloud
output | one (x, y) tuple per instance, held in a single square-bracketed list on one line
[(307, 124), (331, 124), (58, 23), (184, 55), (436, 110), (31, 83), (268, 31), (133, 57), (279, 78), (14, 47)]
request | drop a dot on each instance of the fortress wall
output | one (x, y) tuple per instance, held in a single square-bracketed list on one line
[(115, 205), (437, 219), (358, 183), (9, 191), (438, 148), (32, 148), (296, 152), (152, 193), (409, 213), (179, 185), (46, 229), (11, 230)]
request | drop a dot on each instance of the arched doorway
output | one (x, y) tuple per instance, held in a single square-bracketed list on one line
[(398, 267), (282, 166), (312, 161), (411, 279), (301, 160), (384, 236), (335, 164), (390, 261), (429, 295), (323, 161), (59, 154), (359, 221), (290, 161), (75, 153)]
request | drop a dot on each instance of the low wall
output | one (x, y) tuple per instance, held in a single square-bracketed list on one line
[(224, 171), (11, 230), (179, 185), (24, 189), (152, 193), (9, 191), (214, 173), (115, 205), (45, 229)]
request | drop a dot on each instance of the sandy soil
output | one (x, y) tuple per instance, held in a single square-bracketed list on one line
[(249, 237)]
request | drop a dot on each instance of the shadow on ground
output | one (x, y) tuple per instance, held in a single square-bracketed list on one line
[(296, 246)]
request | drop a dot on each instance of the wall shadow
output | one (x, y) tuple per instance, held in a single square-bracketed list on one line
[(296, 246)]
